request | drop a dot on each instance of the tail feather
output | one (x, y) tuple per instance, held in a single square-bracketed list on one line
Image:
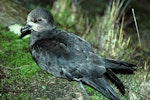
[(111, 75), (102, 86), (119, 66)]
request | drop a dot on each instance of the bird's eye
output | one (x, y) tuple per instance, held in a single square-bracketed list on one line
[(39, 20)]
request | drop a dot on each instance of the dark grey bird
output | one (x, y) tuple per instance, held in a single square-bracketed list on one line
[(66, 55)]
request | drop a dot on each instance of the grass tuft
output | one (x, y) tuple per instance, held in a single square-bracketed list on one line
[(107, 36)]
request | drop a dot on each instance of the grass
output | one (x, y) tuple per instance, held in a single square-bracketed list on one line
[(109, 35), (21, 78)]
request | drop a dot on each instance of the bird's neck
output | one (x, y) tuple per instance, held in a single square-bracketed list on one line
[(36, 36)]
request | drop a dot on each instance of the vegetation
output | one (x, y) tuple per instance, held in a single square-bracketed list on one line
[(21, 78)]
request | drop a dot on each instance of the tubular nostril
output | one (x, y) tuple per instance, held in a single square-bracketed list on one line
[(27, 26), (25, 30)]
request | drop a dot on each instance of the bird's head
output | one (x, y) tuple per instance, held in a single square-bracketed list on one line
[(38, 20)]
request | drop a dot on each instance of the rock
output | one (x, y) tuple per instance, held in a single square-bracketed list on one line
[(12, 12)]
